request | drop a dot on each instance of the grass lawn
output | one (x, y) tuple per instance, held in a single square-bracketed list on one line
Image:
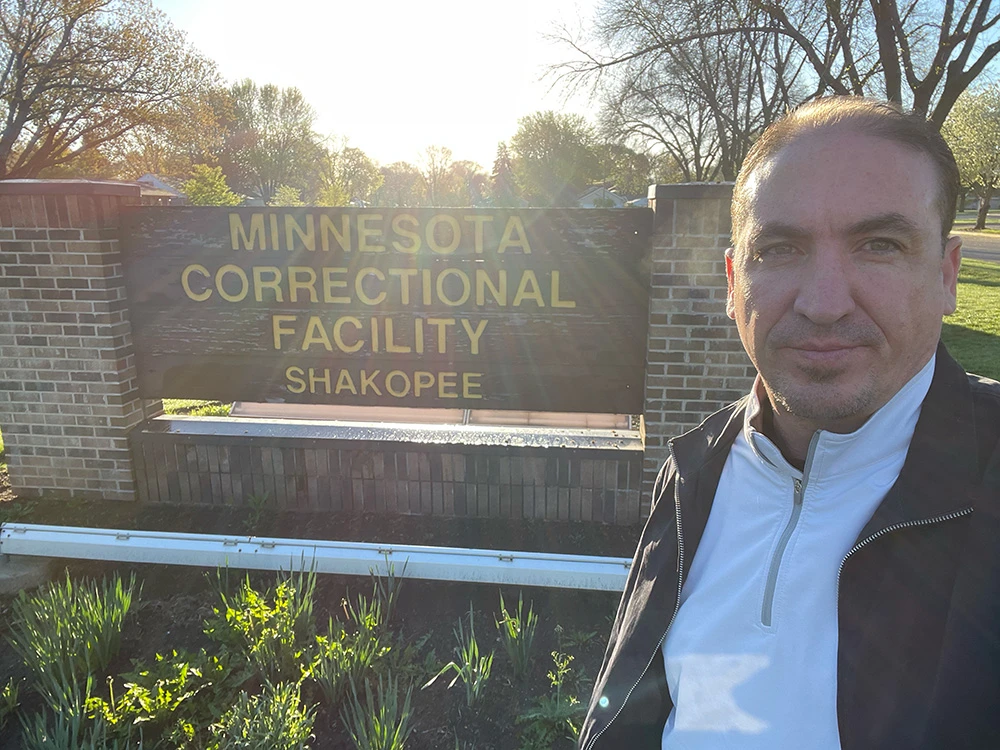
[(195, 408), (972, 334)]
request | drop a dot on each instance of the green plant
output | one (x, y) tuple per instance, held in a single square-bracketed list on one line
[(344, 657), (9, 700), (168, 698), (275, 720), (257, 510), (403, 658), (71, 629), (64, 724), (471, 668), (386, 588), (573, 638), (517, 633), (380, 723), (275, 633), (554, 716)]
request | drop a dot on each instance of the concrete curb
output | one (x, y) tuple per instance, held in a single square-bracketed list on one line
[(20, 572)]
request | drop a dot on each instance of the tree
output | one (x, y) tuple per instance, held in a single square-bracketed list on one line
[(699, 79), (81, 76), (973, 132), (434, 164), (286, 195), (503, 185), (402, 185), (207, 187), (272, 142), (464, 183), (555, 157), (347, 175), (628, 171)]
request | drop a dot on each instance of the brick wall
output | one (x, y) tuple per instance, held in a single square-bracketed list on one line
[(68, 398), (696, 363)]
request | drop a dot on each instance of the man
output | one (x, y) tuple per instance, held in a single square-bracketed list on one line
[(821, 565)]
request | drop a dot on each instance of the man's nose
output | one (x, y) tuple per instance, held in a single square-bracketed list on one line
[(825, 293)]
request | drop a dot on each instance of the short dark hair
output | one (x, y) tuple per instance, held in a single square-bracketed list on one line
[(868, 116)]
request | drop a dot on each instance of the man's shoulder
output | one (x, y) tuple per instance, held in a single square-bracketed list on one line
[(985, 389)]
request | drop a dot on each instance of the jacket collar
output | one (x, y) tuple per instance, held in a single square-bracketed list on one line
[(937, 478), (941, 466)]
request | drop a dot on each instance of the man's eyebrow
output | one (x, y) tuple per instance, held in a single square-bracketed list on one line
[(889, 222), (777, 229)]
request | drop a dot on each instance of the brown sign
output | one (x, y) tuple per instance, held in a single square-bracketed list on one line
[(469, 308)]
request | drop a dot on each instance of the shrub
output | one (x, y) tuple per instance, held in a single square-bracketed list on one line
[(517, 633), (380, 723), (9, 700), (70, 630), (471, 668), (67, 728), (386, 588), (275, 720), (344, 657), (274, 633)]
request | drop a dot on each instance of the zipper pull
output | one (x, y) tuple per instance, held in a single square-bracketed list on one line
[(798, 485)]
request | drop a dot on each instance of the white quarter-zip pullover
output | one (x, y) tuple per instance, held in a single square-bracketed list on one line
[(751, 658)]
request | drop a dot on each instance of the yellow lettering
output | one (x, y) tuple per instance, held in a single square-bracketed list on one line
[(422, 380), (294, 374), (468, 384), (294, 284), (185, 282), (466, 287), (514, 224), (306, 236), (338, 336), (278, 331), (368, 381), (499, 292), (342, 235), (406, 383), (329, 284), (430, 233), (238, 232), (475, 335), (413, 237), (260, 284), (220, 275), (274, 231), (313, 380), (418, 333), (554, 297), (390, 345), (447, 380), (425, 277), (404, 274), (528, 279), (316, 334), (478, 220), (359, 288), (345, 383), (442, 325), (364, 232)]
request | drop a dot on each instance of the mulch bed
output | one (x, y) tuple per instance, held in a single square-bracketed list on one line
[(176, 600)]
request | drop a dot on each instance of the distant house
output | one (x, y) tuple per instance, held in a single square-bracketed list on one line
[(155, 191), (600, 196)]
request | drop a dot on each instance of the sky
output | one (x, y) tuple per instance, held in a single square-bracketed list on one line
[(394, 77)]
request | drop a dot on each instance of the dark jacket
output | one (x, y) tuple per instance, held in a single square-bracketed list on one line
[(919, 593)]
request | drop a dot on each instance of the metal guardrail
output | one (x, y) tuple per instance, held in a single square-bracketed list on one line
[(344, 558)]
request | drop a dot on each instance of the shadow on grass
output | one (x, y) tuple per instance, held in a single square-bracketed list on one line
[(977, 352)]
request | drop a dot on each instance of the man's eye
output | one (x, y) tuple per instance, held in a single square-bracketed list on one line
[(774, 252), (880, 246)]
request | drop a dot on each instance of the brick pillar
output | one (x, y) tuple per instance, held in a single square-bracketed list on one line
[(695, 361), (68, 397)]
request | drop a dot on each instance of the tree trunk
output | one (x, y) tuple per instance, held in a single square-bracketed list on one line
[(984, 206)]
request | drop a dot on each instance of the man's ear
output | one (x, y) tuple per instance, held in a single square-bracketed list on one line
[(730, 299), (950, 265)]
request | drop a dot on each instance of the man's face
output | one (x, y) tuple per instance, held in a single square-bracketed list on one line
[(837, 281)]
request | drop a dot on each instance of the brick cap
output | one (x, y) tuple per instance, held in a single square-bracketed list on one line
[(70, 187), (692, 191)]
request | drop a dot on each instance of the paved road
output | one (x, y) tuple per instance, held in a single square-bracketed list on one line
[(980, 246)]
